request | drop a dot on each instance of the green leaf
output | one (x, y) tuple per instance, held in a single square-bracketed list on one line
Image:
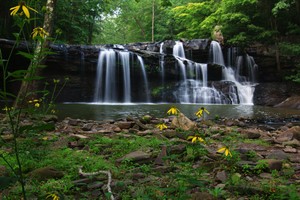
[(30, 56), (17, 74), (4, 95)]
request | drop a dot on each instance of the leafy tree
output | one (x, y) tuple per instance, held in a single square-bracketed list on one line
[(77, 20)]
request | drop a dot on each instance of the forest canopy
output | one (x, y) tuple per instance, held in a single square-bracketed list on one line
[(125, 21)]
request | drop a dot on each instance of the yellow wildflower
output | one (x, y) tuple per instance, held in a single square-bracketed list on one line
[(173, 111), (24, 8), (56, 81), (161, 126), (200, 112), (37, 105), (39, 31), (53, 196), (195, 138), (225, 150), (53, 111), (6, 109)]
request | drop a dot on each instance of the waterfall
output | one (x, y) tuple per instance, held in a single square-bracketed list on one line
[(144, 78), (195, 89), (122, 78), (178, 49), (216, 53), (114, 77), (124, 56), (162, 69), (245, 90), (242, 72), (106, 89)]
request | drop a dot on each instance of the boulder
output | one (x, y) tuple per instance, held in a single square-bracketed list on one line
[(136, 156), (184, 123), (46, 173), (291, 102)]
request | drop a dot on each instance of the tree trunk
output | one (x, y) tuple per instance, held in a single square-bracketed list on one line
[(29, 86), (277, 51), (153, 18), (140, 26)]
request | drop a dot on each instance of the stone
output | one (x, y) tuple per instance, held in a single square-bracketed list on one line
[(160, 158), (221, 176), (124, 125), (295, 158), (289, 134), (95, 185), (163, 169), (146, 119), (291, 102), (184, 123), (146, 132), (50, 118), (170, 133), (136, 156), (79, 136), (292, 143), (265, 175), (117, 129), (251, 133), (296, 132), (73, 122), (202, 196), (46, 173), (284, 136), (177, 149), (274, 164), (278, 155), (229, 122), (87, 127), (289, 149)]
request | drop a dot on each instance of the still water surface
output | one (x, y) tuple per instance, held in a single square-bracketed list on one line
[(116, 111)]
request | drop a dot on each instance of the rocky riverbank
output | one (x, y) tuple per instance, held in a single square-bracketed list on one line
[(265, 161)]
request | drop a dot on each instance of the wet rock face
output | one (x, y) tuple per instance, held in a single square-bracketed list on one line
[(79, 63), (274, 93)]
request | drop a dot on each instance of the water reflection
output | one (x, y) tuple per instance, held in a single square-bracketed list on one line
[(117, 111)]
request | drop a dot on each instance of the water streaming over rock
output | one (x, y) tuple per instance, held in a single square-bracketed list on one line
[(114, 77), (120, 73)]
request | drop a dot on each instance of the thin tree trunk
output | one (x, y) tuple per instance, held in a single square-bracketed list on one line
[(153, 18), (28, 86), (277, 52), (140, 26)]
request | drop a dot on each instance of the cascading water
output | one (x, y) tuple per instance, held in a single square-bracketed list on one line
[(193, 87), (144, 78), (105, 80), (114, 77), (122, 78), (162, 69), (216, 53), (124, 56), (196, 89)]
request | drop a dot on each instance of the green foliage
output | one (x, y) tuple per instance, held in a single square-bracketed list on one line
[(291, 49)]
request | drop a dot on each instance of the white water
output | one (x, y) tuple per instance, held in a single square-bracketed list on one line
[(162, 69), (144, 78), (115, 72), (113, 80), (105, 90), (216, 53), (124, 56)]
